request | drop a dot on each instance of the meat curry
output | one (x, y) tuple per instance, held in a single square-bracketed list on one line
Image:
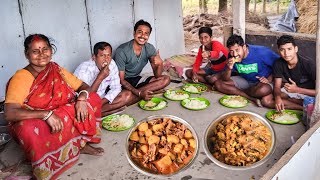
[(162, 146)]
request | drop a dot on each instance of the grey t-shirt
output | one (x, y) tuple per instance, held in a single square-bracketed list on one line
[(127, 60)]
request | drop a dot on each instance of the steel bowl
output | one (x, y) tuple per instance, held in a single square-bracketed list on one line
[(208, 145), (146, 171), (4, 139)]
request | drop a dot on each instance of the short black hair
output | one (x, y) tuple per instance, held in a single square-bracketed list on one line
[(100, 46), (205, 29), (284, 39), (235, 39), (142, 22)]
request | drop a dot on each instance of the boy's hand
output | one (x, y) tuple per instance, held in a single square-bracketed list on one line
[(291, 87)]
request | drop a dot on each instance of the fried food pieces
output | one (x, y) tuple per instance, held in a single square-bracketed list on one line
[(162, 145), (239, 140)]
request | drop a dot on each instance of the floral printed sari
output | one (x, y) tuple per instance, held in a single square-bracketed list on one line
[(52, 153)]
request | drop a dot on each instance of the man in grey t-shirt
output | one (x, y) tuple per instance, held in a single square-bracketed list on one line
[(131, 57)]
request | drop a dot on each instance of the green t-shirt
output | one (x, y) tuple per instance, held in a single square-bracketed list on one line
[(127, 60)]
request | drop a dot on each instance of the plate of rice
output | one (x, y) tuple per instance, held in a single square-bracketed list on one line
[(194, 88), (285, 117), (233, 101), (117, 122), (154, 104), (198, 103), (176, 95)]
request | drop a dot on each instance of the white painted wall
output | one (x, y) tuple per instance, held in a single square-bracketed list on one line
[(76, 25), (305, 164), (11, 44)]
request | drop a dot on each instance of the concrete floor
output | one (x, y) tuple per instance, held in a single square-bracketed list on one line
[(114, 164)]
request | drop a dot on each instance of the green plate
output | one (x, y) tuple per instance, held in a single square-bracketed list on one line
[(112, 123), (206, 101), (221, 100), (202, 88), (156, 100), (297, 113), (168, 92)]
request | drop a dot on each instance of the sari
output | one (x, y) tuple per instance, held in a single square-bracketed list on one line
[(53, 153)]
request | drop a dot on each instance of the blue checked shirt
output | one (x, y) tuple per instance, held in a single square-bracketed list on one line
[(109, 88)]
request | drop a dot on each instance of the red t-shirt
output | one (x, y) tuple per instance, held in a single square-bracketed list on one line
[(218, 57)]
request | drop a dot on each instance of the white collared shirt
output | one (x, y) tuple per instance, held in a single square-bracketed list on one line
[(88, 72)]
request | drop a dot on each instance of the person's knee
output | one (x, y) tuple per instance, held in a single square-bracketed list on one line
[(166, 80), (267, 101), (264, 90), (126, 96), (218, 85)]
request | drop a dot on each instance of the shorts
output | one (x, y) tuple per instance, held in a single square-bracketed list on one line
[(139, 81), (293, 95), (242, 83), (210, 71)]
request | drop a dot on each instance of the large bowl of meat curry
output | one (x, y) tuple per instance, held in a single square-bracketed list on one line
[(162, 145), (239, 140)]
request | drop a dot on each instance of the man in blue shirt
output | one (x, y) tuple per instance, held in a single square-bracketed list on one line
[(253, 65)]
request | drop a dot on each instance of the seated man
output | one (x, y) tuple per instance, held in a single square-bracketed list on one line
[(131, 57), (254, 67), (294, 77), (101, 73)]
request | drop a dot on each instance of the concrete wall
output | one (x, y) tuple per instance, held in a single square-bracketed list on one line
[(76, 25), (305, 163)]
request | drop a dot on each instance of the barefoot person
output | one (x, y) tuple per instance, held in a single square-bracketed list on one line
[(52, 114), (101, 73), (254, 67), (211, 51), (131, 57), (294, 77)]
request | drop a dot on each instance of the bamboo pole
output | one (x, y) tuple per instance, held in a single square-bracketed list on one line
[(255, 7), (278, 5), (316, 112)]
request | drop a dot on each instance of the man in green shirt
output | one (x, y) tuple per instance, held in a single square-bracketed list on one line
[(131, 57)]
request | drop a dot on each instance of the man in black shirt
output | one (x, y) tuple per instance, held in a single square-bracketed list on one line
[(294, 77)]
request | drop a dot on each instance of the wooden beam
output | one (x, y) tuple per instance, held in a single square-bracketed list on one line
[(239, 17), (316, 112)]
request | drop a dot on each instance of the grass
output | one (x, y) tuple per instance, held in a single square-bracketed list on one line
[(190, 7)]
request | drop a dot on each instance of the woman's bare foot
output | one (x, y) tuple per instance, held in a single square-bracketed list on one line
[(88, 149)]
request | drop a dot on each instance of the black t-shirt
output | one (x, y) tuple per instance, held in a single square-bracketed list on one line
[(304, 74)]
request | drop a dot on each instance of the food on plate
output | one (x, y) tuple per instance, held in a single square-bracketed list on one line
[(195, 104), (234, 101), (176, 94), (194, 88), (284, 117), (240, 140), (164, 147), (118, 122), (150, 104)]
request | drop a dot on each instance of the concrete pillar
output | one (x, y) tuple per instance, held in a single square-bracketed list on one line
[(239, 20)]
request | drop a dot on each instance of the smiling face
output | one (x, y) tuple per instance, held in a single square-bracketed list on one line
[(238, 51), (288, 52), (103, 58), (141, 35), (205, 39), (39, 53)]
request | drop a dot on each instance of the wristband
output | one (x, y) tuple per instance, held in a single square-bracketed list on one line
[(85, 91), (47, 116)]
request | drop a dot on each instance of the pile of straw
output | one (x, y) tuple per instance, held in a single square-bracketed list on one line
[(307, 21)]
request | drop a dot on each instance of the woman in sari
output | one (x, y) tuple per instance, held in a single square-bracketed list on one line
[(53, 115)]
